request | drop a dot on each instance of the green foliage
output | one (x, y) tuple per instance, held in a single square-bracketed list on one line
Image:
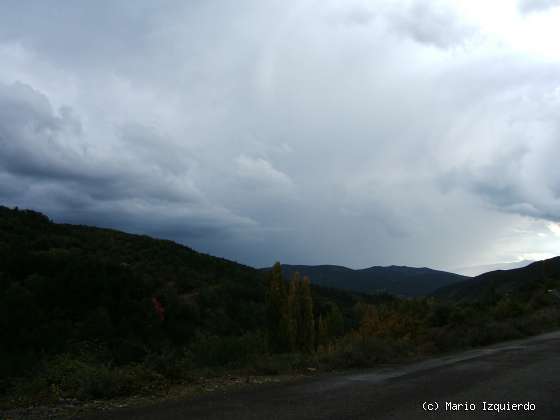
[(275, 364), (291, 318), (96, 313), (63, 284), (354, 351), (279, 325), (301, 317), (508, 307), (212, 350), (69, 376), (334, 321), (306, 327)]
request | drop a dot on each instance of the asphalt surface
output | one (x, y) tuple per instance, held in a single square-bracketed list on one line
[(525, 372)]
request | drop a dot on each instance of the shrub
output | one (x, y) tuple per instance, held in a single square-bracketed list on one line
[(172, 363), (354, 351), (211, 350), (277, 364), (493, 333), (67, 376)]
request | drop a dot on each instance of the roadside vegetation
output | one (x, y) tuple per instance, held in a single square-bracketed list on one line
[(88, 313)]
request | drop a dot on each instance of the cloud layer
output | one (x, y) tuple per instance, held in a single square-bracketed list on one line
[(415, 133)]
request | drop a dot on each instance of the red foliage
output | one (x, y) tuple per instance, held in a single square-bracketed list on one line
[(158, 307)]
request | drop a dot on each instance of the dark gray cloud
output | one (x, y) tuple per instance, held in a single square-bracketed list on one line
[(306, 132), (48, 164)]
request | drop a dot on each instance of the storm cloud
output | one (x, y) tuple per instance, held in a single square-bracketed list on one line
[(355, 133)]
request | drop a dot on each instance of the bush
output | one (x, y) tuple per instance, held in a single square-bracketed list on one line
[(508, 308), (353, 351), (493, 333), (171, 363), (67, 376), (211, 350), (277, 364), (542, 320)]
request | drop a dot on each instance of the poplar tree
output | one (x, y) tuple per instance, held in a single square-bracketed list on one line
[(322, 332), (278, 324), (307, 326), (294, 311), (334, 321)]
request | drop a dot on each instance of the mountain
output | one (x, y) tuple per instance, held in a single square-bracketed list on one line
[(476, 270), (63, 284), (136, 298), (501, 282), (397, 280)]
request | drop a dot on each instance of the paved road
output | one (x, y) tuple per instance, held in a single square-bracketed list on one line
[(525, 371)]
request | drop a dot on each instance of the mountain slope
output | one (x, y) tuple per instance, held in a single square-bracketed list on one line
[(137, 298), (500, 282), (398, 280), (477, 270), (66, 284)]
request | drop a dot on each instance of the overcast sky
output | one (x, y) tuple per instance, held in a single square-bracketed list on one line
[(423, 133)]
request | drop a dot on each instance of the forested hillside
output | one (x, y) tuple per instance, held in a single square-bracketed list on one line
[(63, 284), (126, 300), (501, 282)]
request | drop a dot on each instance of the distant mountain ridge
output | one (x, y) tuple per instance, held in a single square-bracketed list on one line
[(473, 271), (500, 282), (397, 280)]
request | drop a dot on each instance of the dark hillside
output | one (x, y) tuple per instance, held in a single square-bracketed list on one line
[(501, 282), (133, 299), (64, 284), (397, 280)]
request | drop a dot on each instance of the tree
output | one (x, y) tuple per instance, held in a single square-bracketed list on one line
[(334, 321), (307, 326), (278, 320), (300, 314), (294, 311), (322, 332)]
